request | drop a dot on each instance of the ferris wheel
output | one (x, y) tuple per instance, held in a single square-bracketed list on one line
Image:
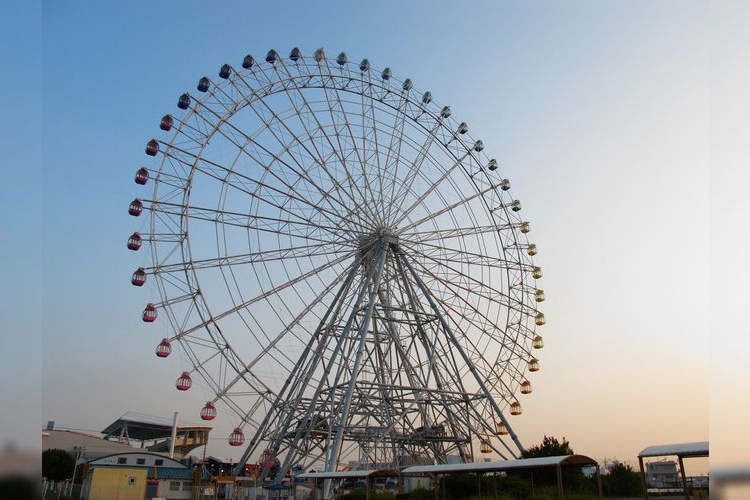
[(341, 263)]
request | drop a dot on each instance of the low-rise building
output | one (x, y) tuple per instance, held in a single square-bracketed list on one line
[(139, 474), (662, 474)]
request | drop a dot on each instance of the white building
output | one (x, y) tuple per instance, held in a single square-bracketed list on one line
[(663, 474)]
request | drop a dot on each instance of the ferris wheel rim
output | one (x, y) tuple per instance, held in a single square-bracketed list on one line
[(428, 222)]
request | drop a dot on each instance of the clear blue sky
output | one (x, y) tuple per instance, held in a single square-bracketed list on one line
[(600, 112)]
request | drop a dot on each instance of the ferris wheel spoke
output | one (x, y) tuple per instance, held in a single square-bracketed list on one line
[(455, 342), (271, 343), (302, 228), (342, 413), (353, 187), (311, 358), (402, 185), (434, 185), (484, 324), (393, 158), (468, 310), (337, 102), (448, 361), (414, 168), (420, 237), (372, 157), (415, 379), (200, 363), (470, 257), (276, 254), (434, 214), (348, 215), (317, 157), (264, 165), (268, 293), (371, 149), (467, 268), (209, 170)]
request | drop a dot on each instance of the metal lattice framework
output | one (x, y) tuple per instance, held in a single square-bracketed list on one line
[(342, 264)]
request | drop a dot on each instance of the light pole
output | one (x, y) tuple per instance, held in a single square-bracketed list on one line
[(79, 450)]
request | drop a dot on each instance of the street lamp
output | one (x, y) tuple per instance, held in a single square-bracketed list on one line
[(78, 450)]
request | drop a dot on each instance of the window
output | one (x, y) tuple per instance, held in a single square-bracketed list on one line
[(187, 486), (174, 486), (140, 461), (122, 460), (159, 461)]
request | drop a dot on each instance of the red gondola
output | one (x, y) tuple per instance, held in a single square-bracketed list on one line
[(141, 177), (166, 123), (149, 313), (164, 348), (139, 277), (184, 382), (237, 437), (135, 208), (208, 412), (135, 241), (152, 147)]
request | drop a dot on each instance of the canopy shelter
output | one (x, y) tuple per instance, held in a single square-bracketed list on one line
[(367, 475), (144, 428), (509, 465), (138, 427), (680, 450)]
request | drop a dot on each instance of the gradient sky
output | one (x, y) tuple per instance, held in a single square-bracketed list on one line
[(601, 114)]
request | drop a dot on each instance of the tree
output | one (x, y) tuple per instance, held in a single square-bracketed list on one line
[(550, 447), (459, 486), (57, 465), (572, 477), (621, 480)]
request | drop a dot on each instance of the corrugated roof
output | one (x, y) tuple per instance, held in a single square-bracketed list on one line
[(93, 446), (143, 427), (524, 463), (696, 449), (337, 474)]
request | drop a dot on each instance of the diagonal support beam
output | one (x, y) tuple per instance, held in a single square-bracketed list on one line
[(402, 257), (335, 449)]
